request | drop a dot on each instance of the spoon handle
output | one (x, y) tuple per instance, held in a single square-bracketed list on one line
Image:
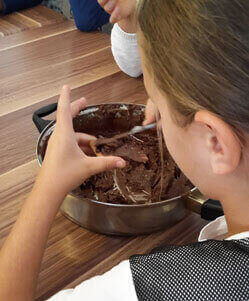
[(135, 130), (139, 129)]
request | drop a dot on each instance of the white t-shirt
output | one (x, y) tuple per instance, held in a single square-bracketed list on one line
[(125, 51), (117, 284)]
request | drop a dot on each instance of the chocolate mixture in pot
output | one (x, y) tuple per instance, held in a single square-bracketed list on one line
[(140, 181)]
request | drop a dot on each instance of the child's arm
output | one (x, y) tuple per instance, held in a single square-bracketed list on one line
[(64, 168), (123, 36), (22, 252)]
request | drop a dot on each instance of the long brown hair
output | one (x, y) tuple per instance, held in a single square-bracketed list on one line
[(198, 51)]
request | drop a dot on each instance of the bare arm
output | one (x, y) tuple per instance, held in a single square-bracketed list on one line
[(64, 168), (21, 255), (123, 36)]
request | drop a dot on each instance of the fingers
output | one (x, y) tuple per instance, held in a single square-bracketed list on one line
[(66, 110), (112, 8), (150, 113), (109, 6), (100, 164), (102, 2), (159, 124), (64, 117), (115, 15), (118, 9), (77, 106), (88, 151), (84, 139)]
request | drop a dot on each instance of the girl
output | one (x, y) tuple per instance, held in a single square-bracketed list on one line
[(194, 56)]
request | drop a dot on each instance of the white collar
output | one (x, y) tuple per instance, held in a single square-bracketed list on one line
[(217, 228)]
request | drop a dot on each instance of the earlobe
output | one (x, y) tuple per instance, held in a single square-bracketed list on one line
[(223, 145)]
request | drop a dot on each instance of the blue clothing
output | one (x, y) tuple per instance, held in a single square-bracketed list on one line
[(10, 6), (88, 14)]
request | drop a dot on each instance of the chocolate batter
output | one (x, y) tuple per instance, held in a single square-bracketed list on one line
[(140, 181)]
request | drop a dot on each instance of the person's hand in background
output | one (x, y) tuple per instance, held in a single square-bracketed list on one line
[(121, 11), (66, 165), (118, 9)]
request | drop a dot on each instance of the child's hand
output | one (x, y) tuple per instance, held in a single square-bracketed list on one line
[(118, 9), (150, 113), (65, 165)]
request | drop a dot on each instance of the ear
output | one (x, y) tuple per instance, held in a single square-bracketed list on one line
[(222, 143)]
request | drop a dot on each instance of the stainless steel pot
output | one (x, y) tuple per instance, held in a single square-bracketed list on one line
[(117, 219)]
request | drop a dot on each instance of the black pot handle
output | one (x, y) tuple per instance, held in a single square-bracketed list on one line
[(207, 208), (43, 112), (211, 209)]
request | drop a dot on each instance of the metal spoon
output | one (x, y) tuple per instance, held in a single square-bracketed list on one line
[(135, 130), (135, 198)]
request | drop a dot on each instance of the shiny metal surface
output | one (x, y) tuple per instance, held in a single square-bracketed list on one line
[(114, 219), (123, 219), (195, 201)]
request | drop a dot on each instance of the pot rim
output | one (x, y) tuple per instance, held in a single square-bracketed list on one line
[(156, 204)]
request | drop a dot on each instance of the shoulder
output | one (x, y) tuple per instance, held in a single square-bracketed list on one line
[(193, 271)]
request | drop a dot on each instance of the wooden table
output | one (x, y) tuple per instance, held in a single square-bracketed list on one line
[(35, 61)]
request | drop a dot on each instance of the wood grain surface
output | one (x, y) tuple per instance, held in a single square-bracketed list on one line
[(34, 34), (39, 52), (29, 18)]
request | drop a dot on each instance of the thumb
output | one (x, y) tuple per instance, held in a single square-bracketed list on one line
[(150, 113), (102, 163), (149, 118), (115, 16)]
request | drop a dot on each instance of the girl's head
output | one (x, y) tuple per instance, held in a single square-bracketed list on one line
[(195, 59)]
